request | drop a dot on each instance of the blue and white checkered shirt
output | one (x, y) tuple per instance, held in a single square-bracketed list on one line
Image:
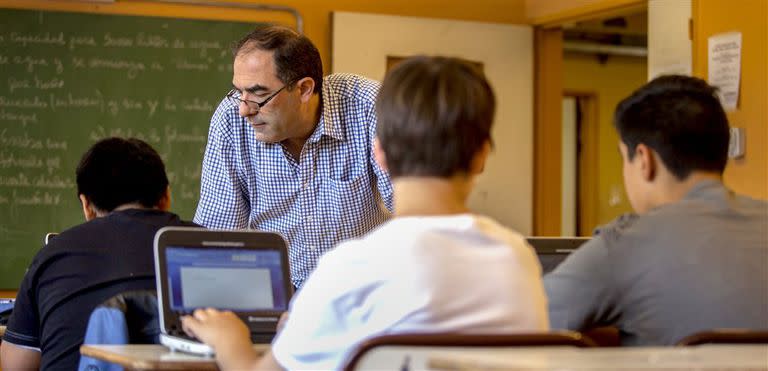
[(335, 192)]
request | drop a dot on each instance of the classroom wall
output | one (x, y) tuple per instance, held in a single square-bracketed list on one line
[(507, 66), (669, 37), (316, 14), (546, 11), (748, 175), (611, 82)]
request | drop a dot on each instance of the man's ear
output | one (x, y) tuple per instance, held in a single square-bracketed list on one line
[(306, 88), (165, 201), (378, 155), (478, 161), (88, 211), (648, 162)]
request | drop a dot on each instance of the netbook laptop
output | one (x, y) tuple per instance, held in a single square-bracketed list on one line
[(553, 250), (243, 271)]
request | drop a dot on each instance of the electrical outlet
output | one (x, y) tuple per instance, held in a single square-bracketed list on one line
[(736, 143)]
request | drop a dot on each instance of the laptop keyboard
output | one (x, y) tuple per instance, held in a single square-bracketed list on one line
[(259, 338), (256, 337)]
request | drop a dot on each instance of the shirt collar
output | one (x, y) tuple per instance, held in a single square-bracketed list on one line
[(705, 187), (331, 117)]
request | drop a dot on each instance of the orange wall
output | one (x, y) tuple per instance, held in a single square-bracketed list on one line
[(610, 82), (316, 13), (748, 175)]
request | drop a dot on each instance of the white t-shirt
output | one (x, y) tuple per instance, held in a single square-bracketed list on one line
[(462, 273)]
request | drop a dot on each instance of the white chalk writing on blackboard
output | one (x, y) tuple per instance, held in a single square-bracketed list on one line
[(44, 38), (21, 117), (37, 198), (21, 180)]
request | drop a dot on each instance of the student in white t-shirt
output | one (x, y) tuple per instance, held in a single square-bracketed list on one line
[(435, 267)]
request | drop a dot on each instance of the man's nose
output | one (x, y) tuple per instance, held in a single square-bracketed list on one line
[(246, 110)]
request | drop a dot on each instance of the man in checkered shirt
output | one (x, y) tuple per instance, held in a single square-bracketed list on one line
[(292, 153)]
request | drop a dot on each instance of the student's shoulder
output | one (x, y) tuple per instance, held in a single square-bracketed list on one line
[(493, 229), (75, 234), (350, 87), (623, 232), (62, 246), (374, 247)]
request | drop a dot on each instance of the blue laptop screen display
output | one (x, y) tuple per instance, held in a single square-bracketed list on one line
[(228, 279)]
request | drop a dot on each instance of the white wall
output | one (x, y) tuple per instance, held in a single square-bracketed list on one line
[(570, 161), (669, 43), (361, 43)]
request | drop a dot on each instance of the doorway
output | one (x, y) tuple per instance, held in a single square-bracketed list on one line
[(593, 62), (579, 163)]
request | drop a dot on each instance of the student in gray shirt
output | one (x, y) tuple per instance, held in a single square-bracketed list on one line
[(695, 257)]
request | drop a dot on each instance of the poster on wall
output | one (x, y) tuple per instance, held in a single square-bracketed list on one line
[(725, 67)]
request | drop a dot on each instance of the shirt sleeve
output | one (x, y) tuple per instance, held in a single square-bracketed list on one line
[(223, 195), (24, 325), (580, 290), (383, 182)]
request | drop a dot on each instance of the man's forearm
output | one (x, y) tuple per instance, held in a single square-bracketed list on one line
[(14, 357)]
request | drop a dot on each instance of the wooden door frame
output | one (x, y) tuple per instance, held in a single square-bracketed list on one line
[(547, 131), (588, 169), (548, 95)]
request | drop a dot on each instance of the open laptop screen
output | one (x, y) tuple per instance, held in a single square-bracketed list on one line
[(228, 279), (551, 251)]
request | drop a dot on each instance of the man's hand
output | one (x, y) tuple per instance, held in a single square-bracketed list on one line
[(229, 337), (281, 322)]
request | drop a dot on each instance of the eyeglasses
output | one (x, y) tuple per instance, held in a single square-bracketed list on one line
[(234, 97)]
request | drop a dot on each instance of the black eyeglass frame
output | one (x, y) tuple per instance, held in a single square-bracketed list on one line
[(231, 96)]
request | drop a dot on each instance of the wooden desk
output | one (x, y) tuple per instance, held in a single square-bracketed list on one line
[(2, 331), (152, 357), (706, 357), (709, 357)]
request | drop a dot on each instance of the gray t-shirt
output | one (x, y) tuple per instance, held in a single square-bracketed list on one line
[(682, 268)]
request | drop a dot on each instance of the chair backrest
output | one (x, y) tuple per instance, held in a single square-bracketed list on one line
[(727, 336), (127, 318), (559, 338)]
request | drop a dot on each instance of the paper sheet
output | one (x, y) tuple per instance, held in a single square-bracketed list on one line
[(725, 67)]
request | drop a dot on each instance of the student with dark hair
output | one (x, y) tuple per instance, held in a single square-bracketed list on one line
[(291, 152), (435, 267), (695, 256), (124, 192)]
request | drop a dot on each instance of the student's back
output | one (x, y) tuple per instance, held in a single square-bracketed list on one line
[(78, 270), (695, 257), (682, 268), (457, 273), (123, 189)]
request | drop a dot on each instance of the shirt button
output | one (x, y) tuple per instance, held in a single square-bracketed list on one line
[(308, 219), (313, 248)]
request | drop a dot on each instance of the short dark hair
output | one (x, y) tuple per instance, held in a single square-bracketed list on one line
[(295, 56), (434, 115), (679, 117), (117, 171)]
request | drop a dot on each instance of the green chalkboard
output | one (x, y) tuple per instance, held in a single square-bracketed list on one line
[(70, 79)]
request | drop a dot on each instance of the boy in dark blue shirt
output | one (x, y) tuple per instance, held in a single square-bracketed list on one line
[(124, 191)]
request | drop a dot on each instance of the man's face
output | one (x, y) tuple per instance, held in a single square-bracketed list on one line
[(633, 178), (255, 76)]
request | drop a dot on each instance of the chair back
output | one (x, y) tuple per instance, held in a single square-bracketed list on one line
[(726, 336), (127, 318), (449, 340)]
